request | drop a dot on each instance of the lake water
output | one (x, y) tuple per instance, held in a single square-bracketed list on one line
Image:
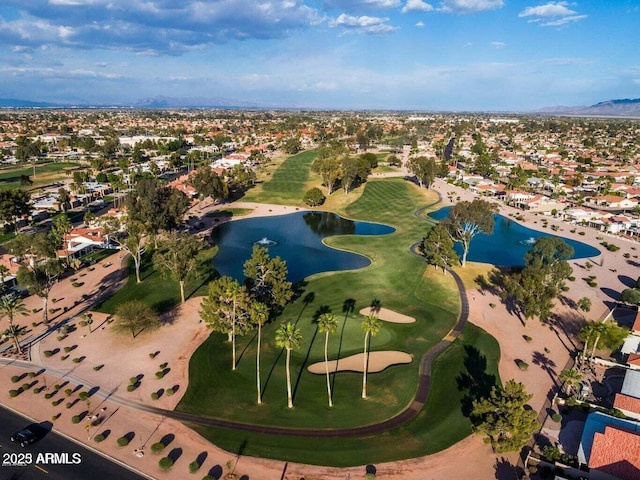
[(296, 238), (509, 242)]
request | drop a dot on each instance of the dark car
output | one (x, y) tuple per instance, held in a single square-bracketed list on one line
[(24, 437)]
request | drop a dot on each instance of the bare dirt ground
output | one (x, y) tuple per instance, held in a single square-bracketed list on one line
[(123, 357)]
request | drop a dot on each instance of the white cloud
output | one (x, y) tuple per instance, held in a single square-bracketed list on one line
[(416, 6), (469, 6), (420, 24), (362, 5), (363, 24), (498, 44), (553, 14)]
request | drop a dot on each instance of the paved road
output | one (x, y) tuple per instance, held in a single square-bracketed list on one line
[(91, 465)]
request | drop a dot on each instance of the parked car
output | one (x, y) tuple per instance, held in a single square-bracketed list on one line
[(24, 437)]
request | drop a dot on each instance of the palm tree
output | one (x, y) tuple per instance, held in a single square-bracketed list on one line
[(10, 306), (599, 329), (370, 326), (288, 337), (327, 323), (259, 315), (586, 333), (570, 378)]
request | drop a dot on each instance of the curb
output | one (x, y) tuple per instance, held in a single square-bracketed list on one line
[(84, 445)]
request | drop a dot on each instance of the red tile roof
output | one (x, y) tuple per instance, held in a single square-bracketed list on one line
[(625, 402), (633, 359), (636, 323), (616, 452)]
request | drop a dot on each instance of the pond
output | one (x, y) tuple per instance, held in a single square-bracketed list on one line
[(509, 242), (296, 238)]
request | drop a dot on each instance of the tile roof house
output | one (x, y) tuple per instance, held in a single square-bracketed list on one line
[(81, 241), (615, 454)]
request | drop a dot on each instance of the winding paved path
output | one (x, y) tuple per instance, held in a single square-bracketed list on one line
[(410, 412)]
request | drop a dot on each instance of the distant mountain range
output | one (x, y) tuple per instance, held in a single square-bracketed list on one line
[(610, 108)]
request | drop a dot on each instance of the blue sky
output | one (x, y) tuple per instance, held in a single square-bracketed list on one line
[(373, 54)]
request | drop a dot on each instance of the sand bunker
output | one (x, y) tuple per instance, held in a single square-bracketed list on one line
[(388, 315), (378, 361)]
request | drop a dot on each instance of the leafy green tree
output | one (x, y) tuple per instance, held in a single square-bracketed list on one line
[(630, 296), (437, 247), (370, 326), (40, 279), (11, 306), (503, 417), (584, 304), (542, 279), (60, 227), (131, 241), (468, 219), (156, 207), (292, 145), (259, 314), (226, 309), (329, 169), (177, 258), (208, 184), (267, 279), (64, 199), (354, 172), (14, 204), (313, 197), (289, 337), (134, 317), (425, 170), (327, 324)]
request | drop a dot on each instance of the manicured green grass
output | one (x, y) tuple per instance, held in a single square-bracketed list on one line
[(287, 184), (471, 360), (160, 293), (395, 278), (45, 173)]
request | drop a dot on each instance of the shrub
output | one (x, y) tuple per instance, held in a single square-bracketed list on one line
[(194, 466), (492, 305), (133, 380), (170, 391), (571, 278), (580, 233), (98, 438), (163, 365), (123, 441), (527, 338), (522, 365), (47, 353), (76, 284), (55, 417), (48, 395), (67, 349), (15, 379), (556, 417), (165, 463), (159, 374), (31, 374), (14, 393), (78, 359), (68, 391), (83, 395), (75, 419), (57, 402), (157, 447), (131, 387), (37, 389), (154, 396), (98, 367), (64, 357), (69, 404)]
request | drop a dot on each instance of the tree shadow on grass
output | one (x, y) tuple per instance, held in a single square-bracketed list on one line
[(323, 309), (348, 306), (475, 380)]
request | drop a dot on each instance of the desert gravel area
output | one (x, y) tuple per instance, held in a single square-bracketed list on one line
[(122, 358)]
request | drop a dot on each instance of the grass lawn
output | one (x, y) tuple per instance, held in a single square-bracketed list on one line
[(45, 173), (400, 281), (285, 185), (470, 363), (160, 293)]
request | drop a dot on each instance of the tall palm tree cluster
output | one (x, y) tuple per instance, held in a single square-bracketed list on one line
[(11, 306)]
